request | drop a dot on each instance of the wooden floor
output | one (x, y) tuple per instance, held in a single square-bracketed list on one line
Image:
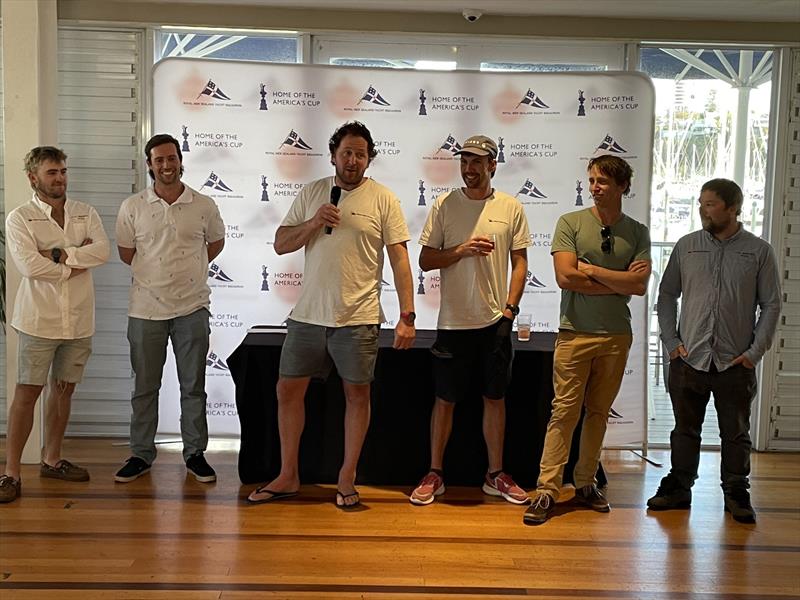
[(167, 536)]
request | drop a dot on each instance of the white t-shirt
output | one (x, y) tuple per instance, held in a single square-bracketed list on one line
[(474, 290), (170, 267), (342, 273)]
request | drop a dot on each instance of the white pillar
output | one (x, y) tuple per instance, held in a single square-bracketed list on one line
[(30, 118), (740, 144)]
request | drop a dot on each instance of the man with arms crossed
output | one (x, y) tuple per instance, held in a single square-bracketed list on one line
[(54, 241), (724, 275), (477, 308), (337, 318), (601, 257), (168, 234)]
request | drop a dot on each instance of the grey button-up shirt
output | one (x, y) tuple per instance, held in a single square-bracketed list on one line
[(721, 285)]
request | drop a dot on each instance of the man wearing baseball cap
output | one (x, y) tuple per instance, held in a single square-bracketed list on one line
[(471, 235)]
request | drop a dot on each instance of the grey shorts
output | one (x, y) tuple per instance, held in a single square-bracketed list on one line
[(311, 351), (35, 355)]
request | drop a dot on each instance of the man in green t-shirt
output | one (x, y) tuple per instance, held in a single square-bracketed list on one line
[(601, 257)]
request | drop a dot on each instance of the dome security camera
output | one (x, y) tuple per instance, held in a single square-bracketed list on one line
[(471, 14)]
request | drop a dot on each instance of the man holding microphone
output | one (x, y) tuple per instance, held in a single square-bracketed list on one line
[(343, 223)]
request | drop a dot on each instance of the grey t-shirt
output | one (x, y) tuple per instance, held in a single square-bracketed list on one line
[(579, 232)]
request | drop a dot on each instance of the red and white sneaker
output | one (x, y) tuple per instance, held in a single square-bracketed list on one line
[(432, 485), (504, 486)]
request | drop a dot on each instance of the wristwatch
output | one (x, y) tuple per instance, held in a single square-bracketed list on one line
[(55, 254), (408, 317), (513, 308)]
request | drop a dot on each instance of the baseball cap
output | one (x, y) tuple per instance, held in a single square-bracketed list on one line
[(480, 145)]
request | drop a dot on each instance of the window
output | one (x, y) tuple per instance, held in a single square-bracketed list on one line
[(226, 45), (496, 55), (712, 120)]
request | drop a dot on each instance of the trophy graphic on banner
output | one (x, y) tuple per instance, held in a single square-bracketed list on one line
[(264, 279), (263, 92), (421, 193), (579, 189), (185, 136), (422, 110), (581, 100), (501, 157), (264, 193), (421, 286)]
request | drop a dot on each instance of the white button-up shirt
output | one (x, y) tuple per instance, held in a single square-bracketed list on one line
[(170, 266), (49, 303)]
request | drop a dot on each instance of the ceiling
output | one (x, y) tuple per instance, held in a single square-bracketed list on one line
[(715, 10)]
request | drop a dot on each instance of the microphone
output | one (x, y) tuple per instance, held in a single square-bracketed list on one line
[(336, 193)]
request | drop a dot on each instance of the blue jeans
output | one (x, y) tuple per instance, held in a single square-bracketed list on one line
[(148, 343), (690, 391)]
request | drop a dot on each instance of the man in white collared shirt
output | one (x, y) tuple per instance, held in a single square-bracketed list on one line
[(168, 234), (54, 241)]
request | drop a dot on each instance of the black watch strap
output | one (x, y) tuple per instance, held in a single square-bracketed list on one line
[(513, 308), (55, 254)]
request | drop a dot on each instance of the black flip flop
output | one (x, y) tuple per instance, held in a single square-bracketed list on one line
[(340, 501), (273, 496)]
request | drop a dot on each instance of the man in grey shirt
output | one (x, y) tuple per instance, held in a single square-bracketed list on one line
[(723, 275)]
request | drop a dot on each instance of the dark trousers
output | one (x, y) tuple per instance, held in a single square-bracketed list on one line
[(690, 390)]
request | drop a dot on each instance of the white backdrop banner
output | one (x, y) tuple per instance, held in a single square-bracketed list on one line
[(253, 134)]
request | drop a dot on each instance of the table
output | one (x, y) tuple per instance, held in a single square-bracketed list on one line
[(397, 447)]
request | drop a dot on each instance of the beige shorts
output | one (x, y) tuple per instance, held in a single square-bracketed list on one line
[(36, 355)]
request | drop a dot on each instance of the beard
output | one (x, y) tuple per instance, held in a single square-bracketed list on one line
[(712, 227), (54, 192), (348, 177)]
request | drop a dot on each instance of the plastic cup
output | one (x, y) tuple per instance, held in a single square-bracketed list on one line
[(524, 328)]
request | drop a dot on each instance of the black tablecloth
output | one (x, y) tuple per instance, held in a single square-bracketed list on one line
[(397, 447)]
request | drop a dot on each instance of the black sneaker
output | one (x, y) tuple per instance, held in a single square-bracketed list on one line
[(539, 511), (201, 470), (670, 495), (592, 497), (133, 468), (737, 502)]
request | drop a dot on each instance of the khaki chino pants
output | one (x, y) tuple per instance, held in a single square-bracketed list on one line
[(587, 371)]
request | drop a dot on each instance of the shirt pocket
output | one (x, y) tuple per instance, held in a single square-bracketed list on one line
[(746, 261), (697, 257), (361, 221), (78, 229)]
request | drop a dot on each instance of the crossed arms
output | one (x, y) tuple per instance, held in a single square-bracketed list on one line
[(593, 280)]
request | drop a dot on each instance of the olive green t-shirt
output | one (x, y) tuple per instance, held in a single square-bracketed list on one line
[(579, 232)]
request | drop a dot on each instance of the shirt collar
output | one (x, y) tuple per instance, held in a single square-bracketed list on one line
[(711, 237), (184, 198), (44, 206)]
